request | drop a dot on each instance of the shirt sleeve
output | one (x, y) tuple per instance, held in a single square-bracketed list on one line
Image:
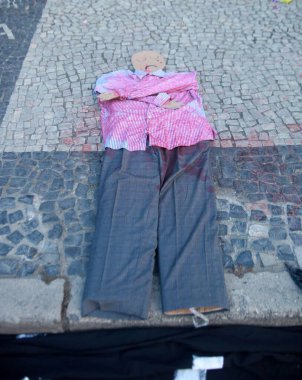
[(114, 81), (172, 83)]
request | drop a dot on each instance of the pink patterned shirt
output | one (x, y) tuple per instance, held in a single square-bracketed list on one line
[(138, 112)]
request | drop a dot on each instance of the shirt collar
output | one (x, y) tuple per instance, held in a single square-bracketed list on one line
[(158, 73)]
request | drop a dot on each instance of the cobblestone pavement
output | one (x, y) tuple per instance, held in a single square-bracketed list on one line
[(247, 55), (21, 16)]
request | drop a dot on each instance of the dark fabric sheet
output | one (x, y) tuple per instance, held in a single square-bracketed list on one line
[(154, 353)]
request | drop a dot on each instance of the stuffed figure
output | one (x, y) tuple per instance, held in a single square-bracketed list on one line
[(155, 197)]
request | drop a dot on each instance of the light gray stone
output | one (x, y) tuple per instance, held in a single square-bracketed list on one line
[(30, 305), (269, 260), (258, 230)]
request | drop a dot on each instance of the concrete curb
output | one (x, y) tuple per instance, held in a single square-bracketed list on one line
[(31, 305)]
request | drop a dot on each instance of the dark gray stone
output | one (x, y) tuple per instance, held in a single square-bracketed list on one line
[(285, 252), (35, 237), (222, 215), (66, 203), (228, 262), (49, 218), (255, 197), (88, 219), (258, 215), (71, 216), (237, 212), (60, 156), (292, 198), (57, 184), (9, 165), (68, 174), (48, 206), (262, 245), (277, 233), (51, 195), (24, 249), (222, 203), (27, 269), (245, 260), (40, 155), (8, 202), (83, 204), (239, 227), (5, 230), (246, 186), (297, 179), (75, 227), (30, 225), (3, 180), (15, 216), (227, 167), (277, 221), (3, 217), (4, 249), (15, 237), (275, 210), (73, 240), (294, 210), (222, 230), (72, 251), (69, 185), (8, 266), (294, 223), (45, 164), (17, 182), (46, 174), (9, 156), (296, 238), (81, 190), (76, 268), (55, 232), (22, 171), (52, 270), (93, 180), (27, 199)]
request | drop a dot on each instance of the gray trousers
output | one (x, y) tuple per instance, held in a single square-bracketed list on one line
[(154, 199)]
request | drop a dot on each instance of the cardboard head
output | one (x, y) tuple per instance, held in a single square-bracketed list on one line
[(148, 60)]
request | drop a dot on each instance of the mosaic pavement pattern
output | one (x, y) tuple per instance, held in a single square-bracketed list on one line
[(48, 203), (248, 57), (246, 53), (18, 21)]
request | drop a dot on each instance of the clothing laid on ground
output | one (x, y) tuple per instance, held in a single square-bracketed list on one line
[(138, 112), (155, 193), (150, 199)]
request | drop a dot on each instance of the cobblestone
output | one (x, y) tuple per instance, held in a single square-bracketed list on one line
[(52, 229), (251, 100), (37, 223)]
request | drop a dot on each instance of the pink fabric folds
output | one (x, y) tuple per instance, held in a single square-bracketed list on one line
[(139, 110)]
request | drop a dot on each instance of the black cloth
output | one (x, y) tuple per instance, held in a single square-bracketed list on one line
[(154, 353)]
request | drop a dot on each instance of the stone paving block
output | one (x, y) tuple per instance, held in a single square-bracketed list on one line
[(30, 305)]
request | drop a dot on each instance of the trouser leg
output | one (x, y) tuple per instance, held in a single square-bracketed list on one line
[(190, 260), (119, 276)]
